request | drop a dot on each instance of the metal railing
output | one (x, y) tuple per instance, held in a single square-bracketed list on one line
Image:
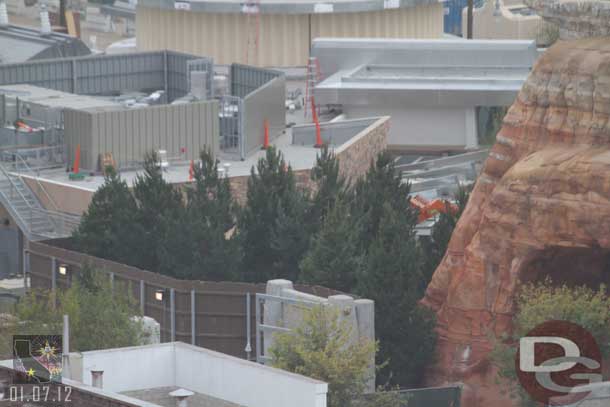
[(459, 159), (48, 157), (262, 328), (230, 112), (63, 224), (22, 165), (7, 200)]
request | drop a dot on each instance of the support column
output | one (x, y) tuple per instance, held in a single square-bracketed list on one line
[(193, 319), (248, 348), (172, 314), (26, 268), (142, 297), (53, 274), (471, 140)]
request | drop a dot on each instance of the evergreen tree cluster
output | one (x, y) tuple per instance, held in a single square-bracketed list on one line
[(358, 238), (160, 228)]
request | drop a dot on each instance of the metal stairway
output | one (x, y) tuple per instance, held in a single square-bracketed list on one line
[(36, 222)]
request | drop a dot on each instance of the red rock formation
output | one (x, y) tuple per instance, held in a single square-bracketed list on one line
[(541, 205)]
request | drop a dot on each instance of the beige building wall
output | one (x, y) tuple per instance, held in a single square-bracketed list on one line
[(284, 39), (66, 198), (505, 26)]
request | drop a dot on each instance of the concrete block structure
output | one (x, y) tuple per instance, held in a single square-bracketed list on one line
[(283, 308), (277, 32)]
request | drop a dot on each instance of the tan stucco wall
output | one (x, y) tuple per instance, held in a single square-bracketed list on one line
[(507, 26), (66, 198), (283, 39)]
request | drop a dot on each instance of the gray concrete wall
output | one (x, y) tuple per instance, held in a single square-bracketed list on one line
[(335, 133), (424, 128), (105, 74), (265, 103)]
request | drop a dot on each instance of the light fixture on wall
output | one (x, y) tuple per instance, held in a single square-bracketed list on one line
[(62, 269), (159, 295)]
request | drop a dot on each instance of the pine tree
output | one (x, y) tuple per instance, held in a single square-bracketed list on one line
[(334, 259), (330, 186), (107, 228), (211, 214), (271, 225), (381, 185), (392, 277), (161, 216)]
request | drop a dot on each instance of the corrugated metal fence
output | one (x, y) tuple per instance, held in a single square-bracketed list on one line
[(213, 315), (105, 74), (182, 130), (263, 94)]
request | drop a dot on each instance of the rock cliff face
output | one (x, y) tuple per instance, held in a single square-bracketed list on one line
[(541, 206), (575, 18)]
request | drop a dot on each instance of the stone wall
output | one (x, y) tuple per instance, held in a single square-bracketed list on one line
[(356, 155), (239, 185)]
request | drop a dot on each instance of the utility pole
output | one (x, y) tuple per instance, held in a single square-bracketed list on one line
[(469, 19)]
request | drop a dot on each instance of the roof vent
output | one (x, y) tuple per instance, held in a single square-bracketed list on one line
[(97, 378), (181, 395), (45, 23), (3, 14)]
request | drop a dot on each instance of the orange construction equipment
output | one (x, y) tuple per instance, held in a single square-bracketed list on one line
[(319, 142), (20, 125), (428, 209), (192, 171)]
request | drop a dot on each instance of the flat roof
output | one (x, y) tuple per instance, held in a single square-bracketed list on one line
[(20, 44), (299, 158), (284, 6), (422, 73), (432, 86), (55, 98)]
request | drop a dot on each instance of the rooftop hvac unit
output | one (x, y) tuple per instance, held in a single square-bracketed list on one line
[(162, 156)]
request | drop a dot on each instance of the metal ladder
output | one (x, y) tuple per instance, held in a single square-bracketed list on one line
[(312, 79)]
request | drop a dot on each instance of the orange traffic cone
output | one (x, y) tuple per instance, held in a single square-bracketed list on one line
[(192, 171), (75, 175), (76, 169), (266, 139)]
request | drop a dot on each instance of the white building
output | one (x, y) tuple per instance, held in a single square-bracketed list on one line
[(146, 375), (430, 88)]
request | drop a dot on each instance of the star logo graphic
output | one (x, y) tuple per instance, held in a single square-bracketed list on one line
[(47, 351), (31, 372)]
